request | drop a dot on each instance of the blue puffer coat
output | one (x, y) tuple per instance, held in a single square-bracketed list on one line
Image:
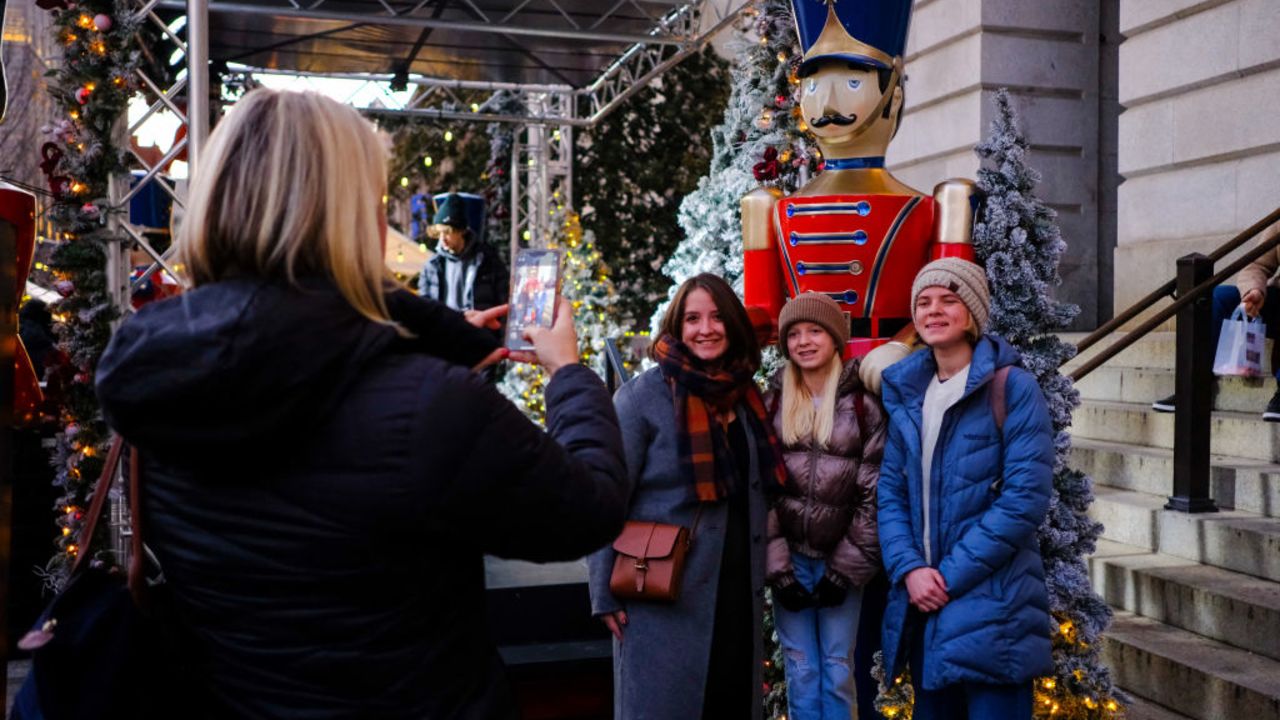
[(988, 496)]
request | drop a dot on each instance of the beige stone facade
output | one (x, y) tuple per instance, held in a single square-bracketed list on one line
[(1047, 53), (26, 42), (1200, 133), (1155, 123)]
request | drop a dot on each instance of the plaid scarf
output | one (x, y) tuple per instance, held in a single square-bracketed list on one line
[(699, 394)]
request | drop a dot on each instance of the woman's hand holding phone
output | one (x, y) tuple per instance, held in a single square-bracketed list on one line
[(556, 346), (490, 319)]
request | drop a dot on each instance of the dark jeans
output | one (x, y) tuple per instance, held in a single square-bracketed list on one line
[(1226, 298), (875, 595), (966, 700)]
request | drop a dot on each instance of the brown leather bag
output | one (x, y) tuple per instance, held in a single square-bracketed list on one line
[(650, 561)]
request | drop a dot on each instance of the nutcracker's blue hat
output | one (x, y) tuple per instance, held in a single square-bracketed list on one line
[(868, 32)]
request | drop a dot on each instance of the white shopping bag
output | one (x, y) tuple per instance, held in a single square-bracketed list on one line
[(1240, 346)]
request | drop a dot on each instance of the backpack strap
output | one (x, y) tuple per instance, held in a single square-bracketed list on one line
[(861, 414), (999, 408)]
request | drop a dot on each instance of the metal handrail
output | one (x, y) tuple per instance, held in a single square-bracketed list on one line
[(616, 373), (1167, 290)]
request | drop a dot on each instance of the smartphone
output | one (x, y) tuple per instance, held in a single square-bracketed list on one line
[(535, 293)]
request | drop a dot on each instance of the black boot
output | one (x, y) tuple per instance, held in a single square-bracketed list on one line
[(1272, 413)]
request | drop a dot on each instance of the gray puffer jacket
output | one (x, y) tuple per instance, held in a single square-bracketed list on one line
[(828, 508)]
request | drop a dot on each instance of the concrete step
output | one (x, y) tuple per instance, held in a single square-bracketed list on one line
[(1140, 708), (1239, 610), (1146, 385), (1155, 350), (1244, 435), (1236, 483), (1200, 677), (1232, 539)]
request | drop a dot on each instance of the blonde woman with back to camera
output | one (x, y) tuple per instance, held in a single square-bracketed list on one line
[(319, 491)]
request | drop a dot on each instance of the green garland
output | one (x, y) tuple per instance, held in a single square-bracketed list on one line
[(91, 90)]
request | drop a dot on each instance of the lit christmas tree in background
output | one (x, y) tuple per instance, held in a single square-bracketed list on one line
[(586, 284)]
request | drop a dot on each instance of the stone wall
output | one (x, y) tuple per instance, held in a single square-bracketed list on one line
[(1047, 54), (1199, 144)]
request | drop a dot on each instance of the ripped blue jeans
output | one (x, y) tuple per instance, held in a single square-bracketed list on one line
[(817, 646)]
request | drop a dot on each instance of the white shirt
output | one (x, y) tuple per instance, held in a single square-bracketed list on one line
[(938, 397)]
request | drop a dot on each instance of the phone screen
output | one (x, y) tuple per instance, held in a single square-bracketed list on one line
[(535, 290)]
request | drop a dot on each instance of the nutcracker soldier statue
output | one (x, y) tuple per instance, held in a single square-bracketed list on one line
[(854, 232)]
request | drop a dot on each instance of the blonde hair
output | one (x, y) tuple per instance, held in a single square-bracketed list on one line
[(291, 184), (801, 420)]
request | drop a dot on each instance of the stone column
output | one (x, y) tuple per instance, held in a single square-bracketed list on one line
[(958, 54), (1199, 144)]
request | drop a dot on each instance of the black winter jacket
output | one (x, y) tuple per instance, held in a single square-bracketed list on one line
[(320, 496)]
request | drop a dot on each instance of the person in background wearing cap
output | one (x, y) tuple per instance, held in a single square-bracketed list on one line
[(823, 547), (465, 273), (964, 484)]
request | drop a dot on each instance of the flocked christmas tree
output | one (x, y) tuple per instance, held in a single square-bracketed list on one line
[(586, 284), (760, 141), (1017, 239)]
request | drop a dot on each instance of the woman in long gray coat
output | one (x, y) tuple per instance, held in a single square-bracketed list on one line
[(700, 656)]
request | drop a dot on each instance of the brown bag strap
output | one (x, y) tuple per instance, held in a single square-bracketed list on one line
[(137, 566), (99, 501), (98, 504), (998, 407)]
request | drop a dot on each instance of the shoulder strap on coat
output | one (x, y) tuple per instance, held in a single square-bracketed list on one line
[(998, 406), (860, 414)]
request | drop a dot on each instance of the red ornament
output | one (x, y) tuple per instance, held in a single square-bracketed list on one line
[(89, 209), (102, 22), (82, 378), (767, 169), (82, 95), (780, 100)]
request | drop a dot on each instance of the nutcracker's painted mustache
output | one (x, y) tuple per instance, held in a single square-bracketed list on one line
[(835, 119)]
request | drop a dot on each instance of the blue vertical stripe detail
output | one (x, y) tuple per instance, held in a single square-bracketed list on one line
[(883, 255), (786, 257)]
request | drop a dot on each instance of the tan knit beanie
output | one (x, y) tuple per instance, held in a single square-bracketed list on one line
[(961, 277), (818, 309)]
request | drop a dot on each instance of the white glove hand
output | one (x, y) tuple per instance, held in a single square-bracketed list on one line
[(874, 364)]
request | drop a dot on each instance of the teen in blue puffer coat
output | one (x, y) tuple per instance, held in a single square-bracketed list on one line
[(960, 500)]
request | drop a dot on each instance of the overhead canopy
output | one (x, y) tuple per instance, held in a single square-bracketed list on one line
[(548, 42), (403, 255)]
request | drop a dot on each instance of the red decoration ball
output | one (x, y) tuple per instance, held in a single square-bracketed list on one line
[(102, 22), (82, 378), (82, 95)]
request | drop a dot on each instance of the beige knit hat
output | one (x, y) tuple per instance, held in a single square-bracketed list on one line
[(961, 277), (818, 309)]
